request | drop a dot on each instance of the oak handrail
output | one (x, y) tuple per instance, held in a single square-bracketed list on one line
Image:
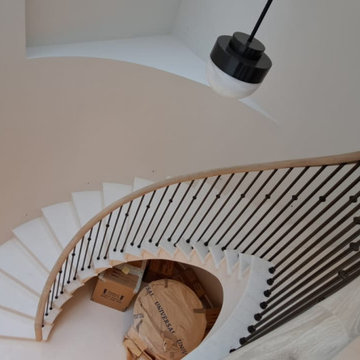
[(311, 162)]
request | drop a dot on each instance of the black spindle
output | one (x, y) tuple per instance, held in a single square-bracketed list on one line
[(104, 236), (289, 203), (122, 227), (95, 242), (78, 259), (242, 196), (112, 233), (86, 250), (175, 212)]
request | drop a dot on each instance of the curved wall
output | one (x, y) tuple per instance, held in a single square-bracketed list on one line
[(69, 124)]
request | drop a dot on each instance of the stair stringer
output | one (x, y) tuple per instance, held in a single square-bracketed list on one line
[(212, 348)]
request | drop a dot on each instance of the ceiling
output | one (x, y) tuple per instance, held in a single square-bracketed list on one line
[(50, 22)]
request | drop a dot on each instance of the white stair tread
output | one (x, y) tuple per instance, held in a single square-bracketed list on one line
[(53, 314), (140, 183), (16, 326), (168, 247), (232, 259), (86, 274), (201, 250), (73, 286), (15, 297), (116, 257), (62, 299), (101, 264), (46, 330), (245, 262), (217, 254), (63, 221), (150, 247), (133, 250), (19, 264), (87, 204), (37, 237), (185, 248), (113, 192)]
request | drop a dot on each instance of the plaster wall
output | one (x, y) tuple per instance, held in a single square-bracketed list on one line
[(51, 22), (312, 90), (67, 124)]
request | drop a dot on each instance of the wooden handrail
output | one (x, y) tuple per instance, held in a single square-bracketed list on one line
[(319, 161)]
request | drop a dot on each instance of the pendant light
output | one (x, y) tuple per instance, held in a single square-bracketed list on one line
[(238, 64)]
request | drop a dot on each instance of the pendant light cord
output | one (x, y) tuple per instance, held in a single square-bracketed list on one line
[(258, 23)]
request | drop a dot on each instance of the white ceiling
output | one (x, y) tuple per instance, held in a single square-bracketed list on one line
[(51, 22)]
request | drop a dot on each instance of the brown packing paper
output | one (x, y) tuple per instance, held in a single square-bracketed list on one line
[(167, 323)]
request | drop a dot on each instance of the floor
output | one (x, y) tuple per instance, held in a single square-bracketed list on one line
[(87, 330), (79, 333)]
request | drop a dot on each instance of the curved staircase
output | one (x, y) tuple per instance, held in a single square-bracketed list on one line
[(234, 223), (39, 243)]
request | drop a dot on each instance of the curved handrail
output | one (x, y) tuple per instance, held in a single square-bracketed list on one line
[(310, 162)]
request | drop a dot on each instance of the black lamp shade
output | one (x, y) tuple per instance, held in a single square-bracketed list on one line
[(239, 59)]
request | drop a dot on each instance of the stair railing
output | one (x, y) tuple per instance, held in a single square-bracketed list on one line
[(301, 215)]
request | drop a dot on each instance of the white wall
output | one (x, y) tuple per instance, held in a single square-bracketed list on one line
[(313, 88), (67, 21), (68, 124)]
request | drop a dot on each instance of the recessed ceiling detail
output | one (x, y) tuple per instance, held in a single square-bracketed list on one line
[(50, 22)]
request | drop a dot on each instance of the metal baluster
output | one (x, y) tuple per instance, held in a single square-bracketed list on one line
[(52, 295), (285, 192), (104, 236), (174, 213), (58, 284), (71, 264), (322, 198), (319, 262), (112, 233), (95, 242), (313, 220), (47, 305), (320, 294), (305, 254), (293, 198), (217, 197), (86, 250), (245, 208), (78, 259), (154, 214), (188, 208), (352, 247), (222, 207), (163, 214), (64, 277), (142, 220), (122, 227), (198, 209), (133, 222), (266, 198), (242, 196)]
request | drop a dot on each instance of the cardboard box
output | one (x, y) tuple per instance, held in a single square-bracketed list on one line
[(189, 278), (211, 317), (117, 287), (159, 269)]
